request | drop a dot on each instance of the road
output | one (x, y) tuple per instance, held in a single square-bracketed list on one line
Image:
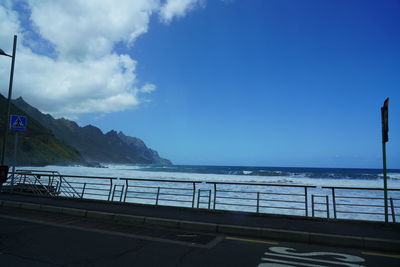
[(40, 239)]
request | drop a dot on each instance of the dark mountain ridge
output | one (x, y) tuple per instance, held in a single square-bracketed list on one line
[(37, 146), (91, 143)]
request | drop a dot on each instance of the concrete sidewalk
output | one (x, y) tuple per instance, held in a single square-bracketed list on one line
[(358, 234)]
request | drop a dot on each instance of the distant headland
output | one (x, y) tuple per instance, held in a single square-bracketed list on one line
[(50, 141)]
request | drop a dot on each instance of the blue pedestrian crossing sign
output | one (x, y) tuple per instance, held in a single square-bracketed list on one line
[(17, 122)]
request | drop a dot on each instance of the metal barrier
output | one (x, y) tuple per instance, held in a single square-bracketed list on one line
[(301, 200), (351, 202)]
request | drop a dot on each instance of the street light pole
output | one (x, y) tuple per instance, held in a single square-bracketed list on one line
[(6, 125)]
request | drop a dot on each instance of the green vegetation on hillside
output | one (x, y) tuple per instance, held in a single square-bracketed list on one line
[(91, 142), (37, 145)]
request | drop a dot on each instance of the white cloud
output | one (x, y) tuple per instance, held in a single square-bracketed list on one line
[(85, 75), (148, 88), (9, 25), (89, 28), (69, 88), (177, 8)]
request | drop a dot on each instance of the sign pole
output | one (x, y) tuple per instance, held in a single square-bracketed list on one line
[(385, 194), (385, 138), (15, 157), (17, 123)]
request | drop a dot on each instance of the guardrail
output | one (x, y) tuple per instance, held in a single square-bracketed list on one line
[(289, 199)]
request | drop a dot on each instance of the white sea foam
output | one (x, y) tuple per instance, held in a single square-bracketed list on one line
[(135, 171)]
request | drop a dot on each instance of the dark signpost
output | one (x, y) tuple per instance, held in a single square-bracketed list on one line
[(17, 123), (385, 138)]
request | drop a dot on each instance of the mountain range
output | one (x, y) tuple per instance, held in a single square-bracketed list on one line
[(49, 141)]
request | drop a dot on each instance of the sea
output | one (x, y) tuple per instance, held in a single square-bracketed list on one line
[(278, 175)]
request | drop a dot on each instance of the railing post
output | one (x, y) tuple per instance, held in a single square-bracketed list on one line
[(393, 212), (59, 187), (83, 190), (334, 202), (312, 205), (306, 200), (126, 189), (113, 193), (109, 193), (327, 206), (209, 199), (258, 202), (56, 190), (158, 194), (122, 193), (194, 194), (198, 197), (215, 195)]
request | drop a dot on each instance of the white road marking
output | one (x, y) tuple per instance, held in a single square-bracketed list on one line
[(338, 256), (316, 260), (283, 256), (292, 263)]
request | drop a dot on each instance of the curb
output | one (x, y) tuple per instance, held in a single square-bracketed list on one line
[(276, 234)]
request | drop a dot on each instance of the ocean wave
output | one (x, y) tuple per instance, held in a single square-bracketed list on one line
[(292, 173), (317, 175)]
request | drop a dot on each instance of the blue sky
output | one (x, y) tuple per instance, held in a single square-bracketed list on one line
[(259, 83)]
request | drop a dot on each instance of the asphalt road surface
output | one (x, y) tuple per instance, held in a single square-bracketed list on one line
[(40, 239)]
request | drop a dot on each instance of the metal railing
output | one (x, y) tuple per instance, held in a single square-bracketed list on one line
[(289, 199), (350, 202), (49, 183)]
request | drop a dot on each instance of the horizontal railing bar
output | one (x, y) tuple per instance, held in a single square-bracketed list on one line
[(156, 187), (244, 198), (142, 186), (278, 200), (171, 194), (166, 199), (235, 191), (282, 194), (355, 212), (138, 192), (141, 197), (363, 197), (359, 205), (264, 199), (361, 188), (234, 204), (263, 193), (94, 194), (278, 207), (88, 183), (238, 192)]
